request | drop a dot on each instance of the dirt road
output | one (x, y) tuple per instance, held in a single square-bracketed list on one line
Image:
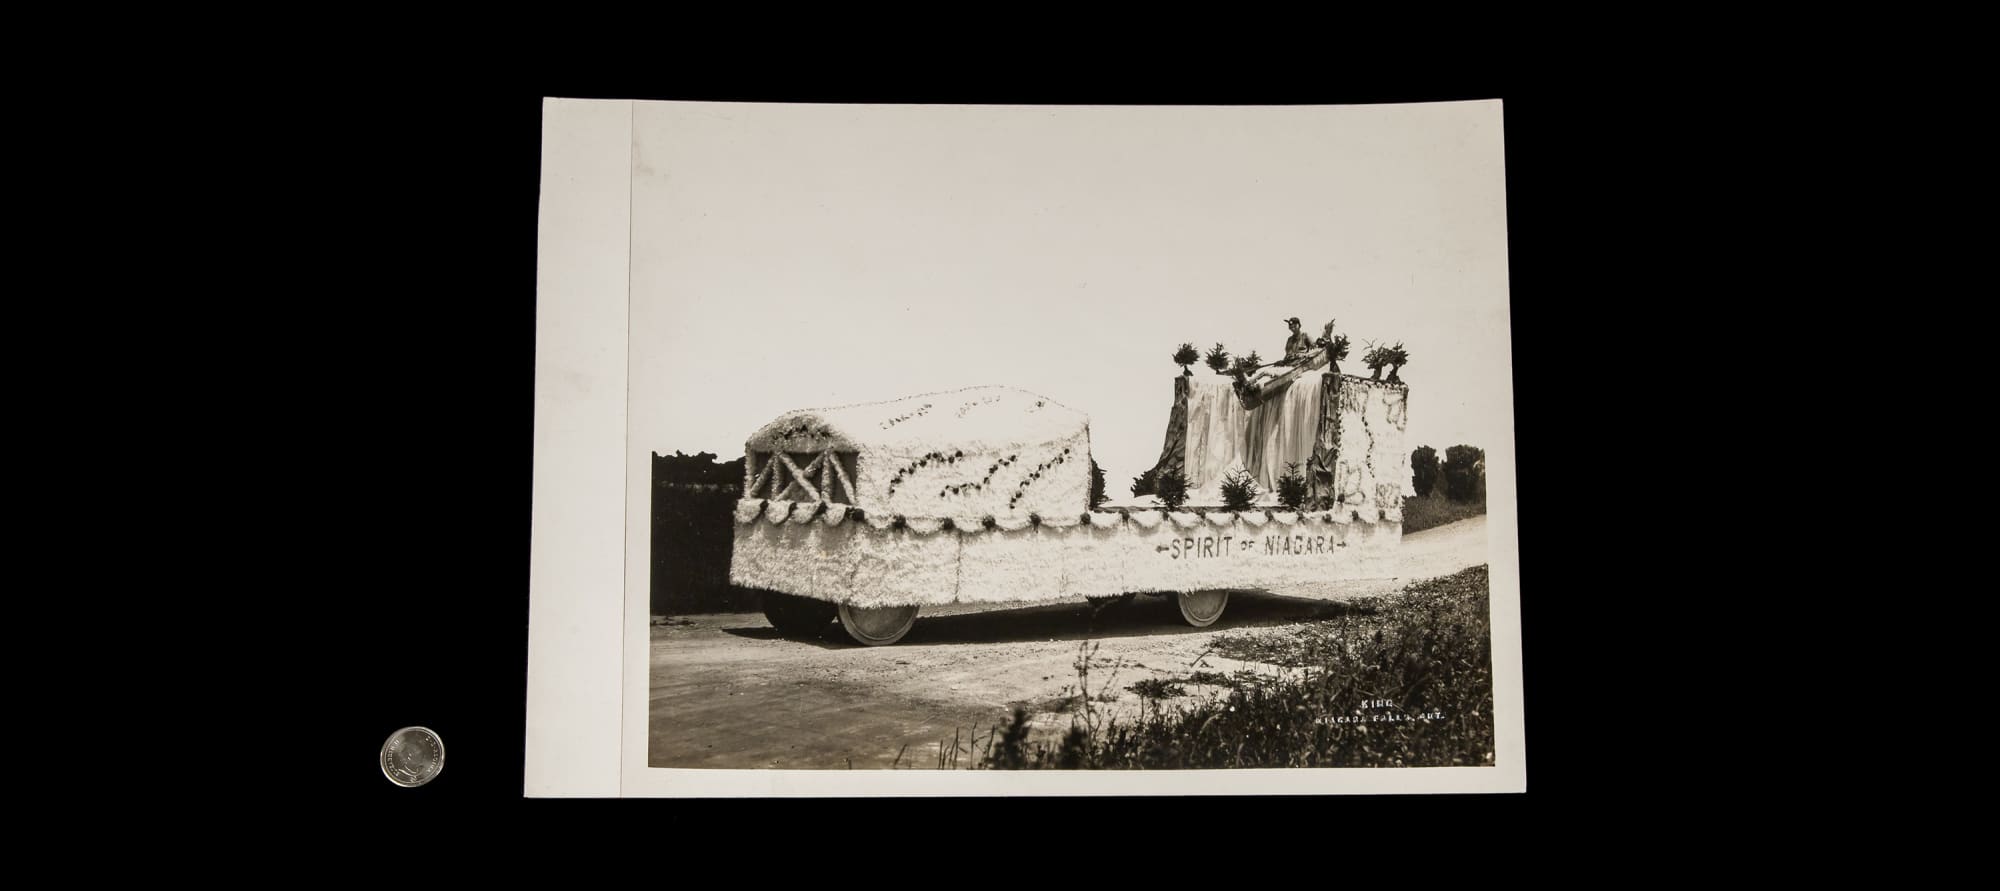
[(728, 692)]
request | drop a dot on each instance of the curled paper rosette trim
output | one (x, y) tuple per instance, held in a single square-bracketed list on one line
[(1185, 519), (924, 525), (1255, 518), (879, 522), (1012, 522), (803, 514), (777, 511), (1147, 519), (1062, 521), (1223, 518), (835, 515), (1105, 520), (1286, 518), (747, 510)]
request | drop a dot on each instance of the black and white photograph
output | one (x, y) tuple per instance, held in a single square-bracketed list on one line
[(992, 449)]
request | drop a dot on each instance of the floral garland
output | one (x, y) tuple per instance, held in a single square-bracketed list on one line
[(920, 412), (1036, 474), (801, 512), (968, 406), (942, 459), (803, 429)]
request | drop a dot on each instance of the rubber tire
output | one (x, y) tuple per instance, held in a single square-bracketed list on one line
[(797, 617), (877, 626), (1202, 608)]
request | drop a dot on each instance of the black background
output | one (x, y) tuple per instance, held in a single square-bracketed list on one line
[(422, 221)]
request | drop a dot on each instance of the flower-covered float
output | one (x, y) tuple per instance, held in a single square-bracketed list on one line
[(870, 512)]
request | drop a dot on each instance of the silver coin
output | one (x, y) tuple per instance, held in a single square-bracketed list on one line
[(412, 756)]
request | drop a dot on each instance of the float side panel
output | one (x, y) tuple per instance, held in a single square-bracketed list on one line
[(857, 564)]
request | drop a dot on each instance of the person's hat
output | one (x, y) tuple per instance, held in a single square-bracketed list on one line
[(1292, 321)]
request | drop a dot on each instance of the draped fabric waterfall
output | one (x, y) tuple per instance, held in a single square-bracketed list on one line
[(1222, 436)]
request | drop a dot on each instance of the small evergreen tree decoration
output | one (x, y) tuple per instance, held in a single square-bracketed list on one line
[(1396, 358), (1146, 483), (1292, 487), (1185, 357), (1096, 484), (1424, 469), (1247, 364), (1218, 360), (1172, 490), (1239, 490)]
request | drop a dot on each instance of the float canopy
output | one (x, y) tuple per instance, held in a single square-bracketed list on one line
[(990, 451)]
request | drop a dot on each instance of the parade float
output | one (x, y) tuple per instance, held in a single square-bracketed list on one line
[(868, 513)]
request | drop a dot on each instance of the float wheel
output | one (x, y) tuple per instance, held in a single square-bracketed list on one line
[(877, 626), (1202, 608)]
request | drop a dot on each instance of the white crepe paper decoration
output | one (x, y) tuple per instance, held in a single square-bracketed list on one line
[(777, 511), (1147, 519), (856, 564), (979, 451), (1254, 518), (1013, 522), (880, 522), (1286, 517), (803, 513), (924, 525), (1185, 519), (747, 510), (835, 515), (1104, 520), (1221, 518)]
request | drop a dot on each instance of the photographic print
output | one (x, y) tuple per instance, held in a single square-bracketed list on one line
[(1068, 449)]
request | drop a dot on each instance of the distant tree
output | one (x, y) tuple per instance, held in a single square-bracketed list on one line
[(1464, 467), (1096, 484), (1185, 357), (680, 468), (1424, 469)]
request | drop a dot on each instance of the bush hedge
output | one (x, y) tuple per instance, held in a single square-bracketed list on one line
[(1424, 470), (1464, 473)]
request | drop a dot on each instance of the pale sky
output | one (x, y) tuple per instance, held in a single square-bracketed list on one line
[(795, 256)]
